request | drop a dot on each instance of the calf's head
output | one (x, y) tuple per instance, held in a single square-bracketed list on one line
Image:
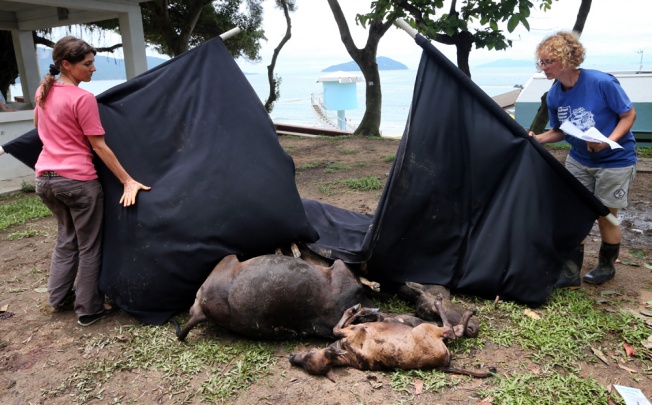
[(317, 361)]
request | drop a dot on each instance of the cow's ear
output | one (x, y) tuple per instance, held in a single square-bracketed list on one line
[(415, 286), (332, 352)]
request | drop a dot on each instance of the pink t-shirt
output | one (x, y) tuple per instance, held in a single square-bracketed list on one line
[(70, 114)]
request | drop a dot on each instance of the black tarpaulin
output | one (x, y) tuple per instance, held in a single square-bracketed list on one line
[(471, 203), (194, 130)]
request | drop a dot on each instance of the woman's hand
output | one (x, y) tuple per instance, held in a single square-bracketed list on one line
[(132, 187), (534, 136), (596, 146)]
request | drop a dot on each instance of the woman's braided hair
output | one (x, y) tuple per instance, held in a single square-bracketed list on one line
[(67, 48)]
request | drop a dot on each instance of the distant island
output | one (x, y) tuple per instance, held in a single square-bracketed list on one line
[(108, 68), (384, 63)]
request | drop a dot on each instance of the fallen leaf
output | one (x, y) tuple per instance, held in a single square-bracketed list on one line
[(637, 253), (531, 313), (634, 264), (418, 387), (648, 322), (41, 289), (649, 266), (4, 308), (629, 350), (600, 355), (648, 343), (646, 312), (487, 400), (627, 368)]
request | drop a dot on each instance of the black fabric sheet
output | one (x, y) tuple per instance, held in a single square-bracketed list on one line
[(471, 203), (194, 130)]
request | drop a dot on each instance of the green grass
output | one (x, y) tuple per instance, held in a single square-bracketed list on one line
[(222, 368), (644, 152), (309, 165), (389, 159), (362, 184), (27, 233), (336, 167), (23, 208), (349, 151), (546, 389), (370, 183), (571, 324)]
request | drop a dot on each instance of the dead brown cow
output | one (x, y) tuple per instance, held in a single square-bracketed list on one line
[(384, 345), (275, 297)]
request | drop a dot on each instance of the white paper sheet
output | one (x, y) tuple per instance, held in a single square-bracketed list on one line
[(590, 135), (632, 396)]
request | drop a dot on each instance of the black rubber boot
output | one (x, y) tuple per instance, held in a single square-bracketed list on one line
[(605, 270), (570, 269)]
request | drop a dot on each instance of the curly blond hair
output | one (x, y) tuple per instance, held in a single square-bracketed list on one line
[(564, 47)]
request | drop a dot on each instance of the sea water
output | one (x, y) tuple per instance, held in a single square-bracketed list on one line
[(295, 107)]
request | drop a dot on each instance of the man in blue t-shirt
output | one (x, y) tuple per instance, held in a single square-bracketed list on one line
[(590, 99)]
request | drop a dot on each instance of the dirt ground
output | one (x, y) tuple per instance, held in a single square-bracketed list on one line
[(38, 352)]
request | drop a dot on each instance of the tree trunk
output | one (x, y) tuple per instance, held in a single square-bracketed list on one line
[(366, 60), (463, 43), (274, 92), (370, 124)]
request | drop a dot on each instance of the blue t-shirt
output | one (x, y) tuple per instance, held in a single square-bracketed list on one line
[(596, 100)]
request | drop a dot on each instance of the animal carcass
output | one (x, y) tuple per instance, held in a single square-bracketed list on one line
[(275, 297), (384, 345)]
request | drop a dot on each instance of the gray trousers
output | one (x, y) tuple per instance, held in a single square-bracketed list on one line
[(78, 207)]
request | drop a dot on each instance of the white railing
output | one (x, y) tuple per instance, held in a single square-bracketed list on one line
[(328, 118)]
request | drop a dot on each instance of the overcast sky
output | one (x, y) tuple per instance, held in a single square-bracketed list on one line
[(615, 31)]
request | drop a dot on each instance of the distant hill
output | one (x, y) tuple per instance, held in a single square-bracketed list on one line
[(501, 63), (384, 63), (108, 68)]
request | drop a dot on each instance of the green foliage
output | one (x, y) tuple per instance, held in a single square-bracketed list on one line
[(389, 158), (20, 210), (452, 27), (174, 26)]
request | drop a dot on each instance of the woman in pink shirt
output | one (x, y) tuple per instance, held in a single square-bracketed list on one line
[(68, 123)]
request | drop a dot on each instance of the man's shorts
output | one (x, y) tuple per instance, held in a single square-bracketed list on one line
[(609, 185)]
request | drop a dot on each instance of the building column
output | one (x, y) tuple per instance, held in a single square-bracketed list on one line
[(28, 69), (133, 42)]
